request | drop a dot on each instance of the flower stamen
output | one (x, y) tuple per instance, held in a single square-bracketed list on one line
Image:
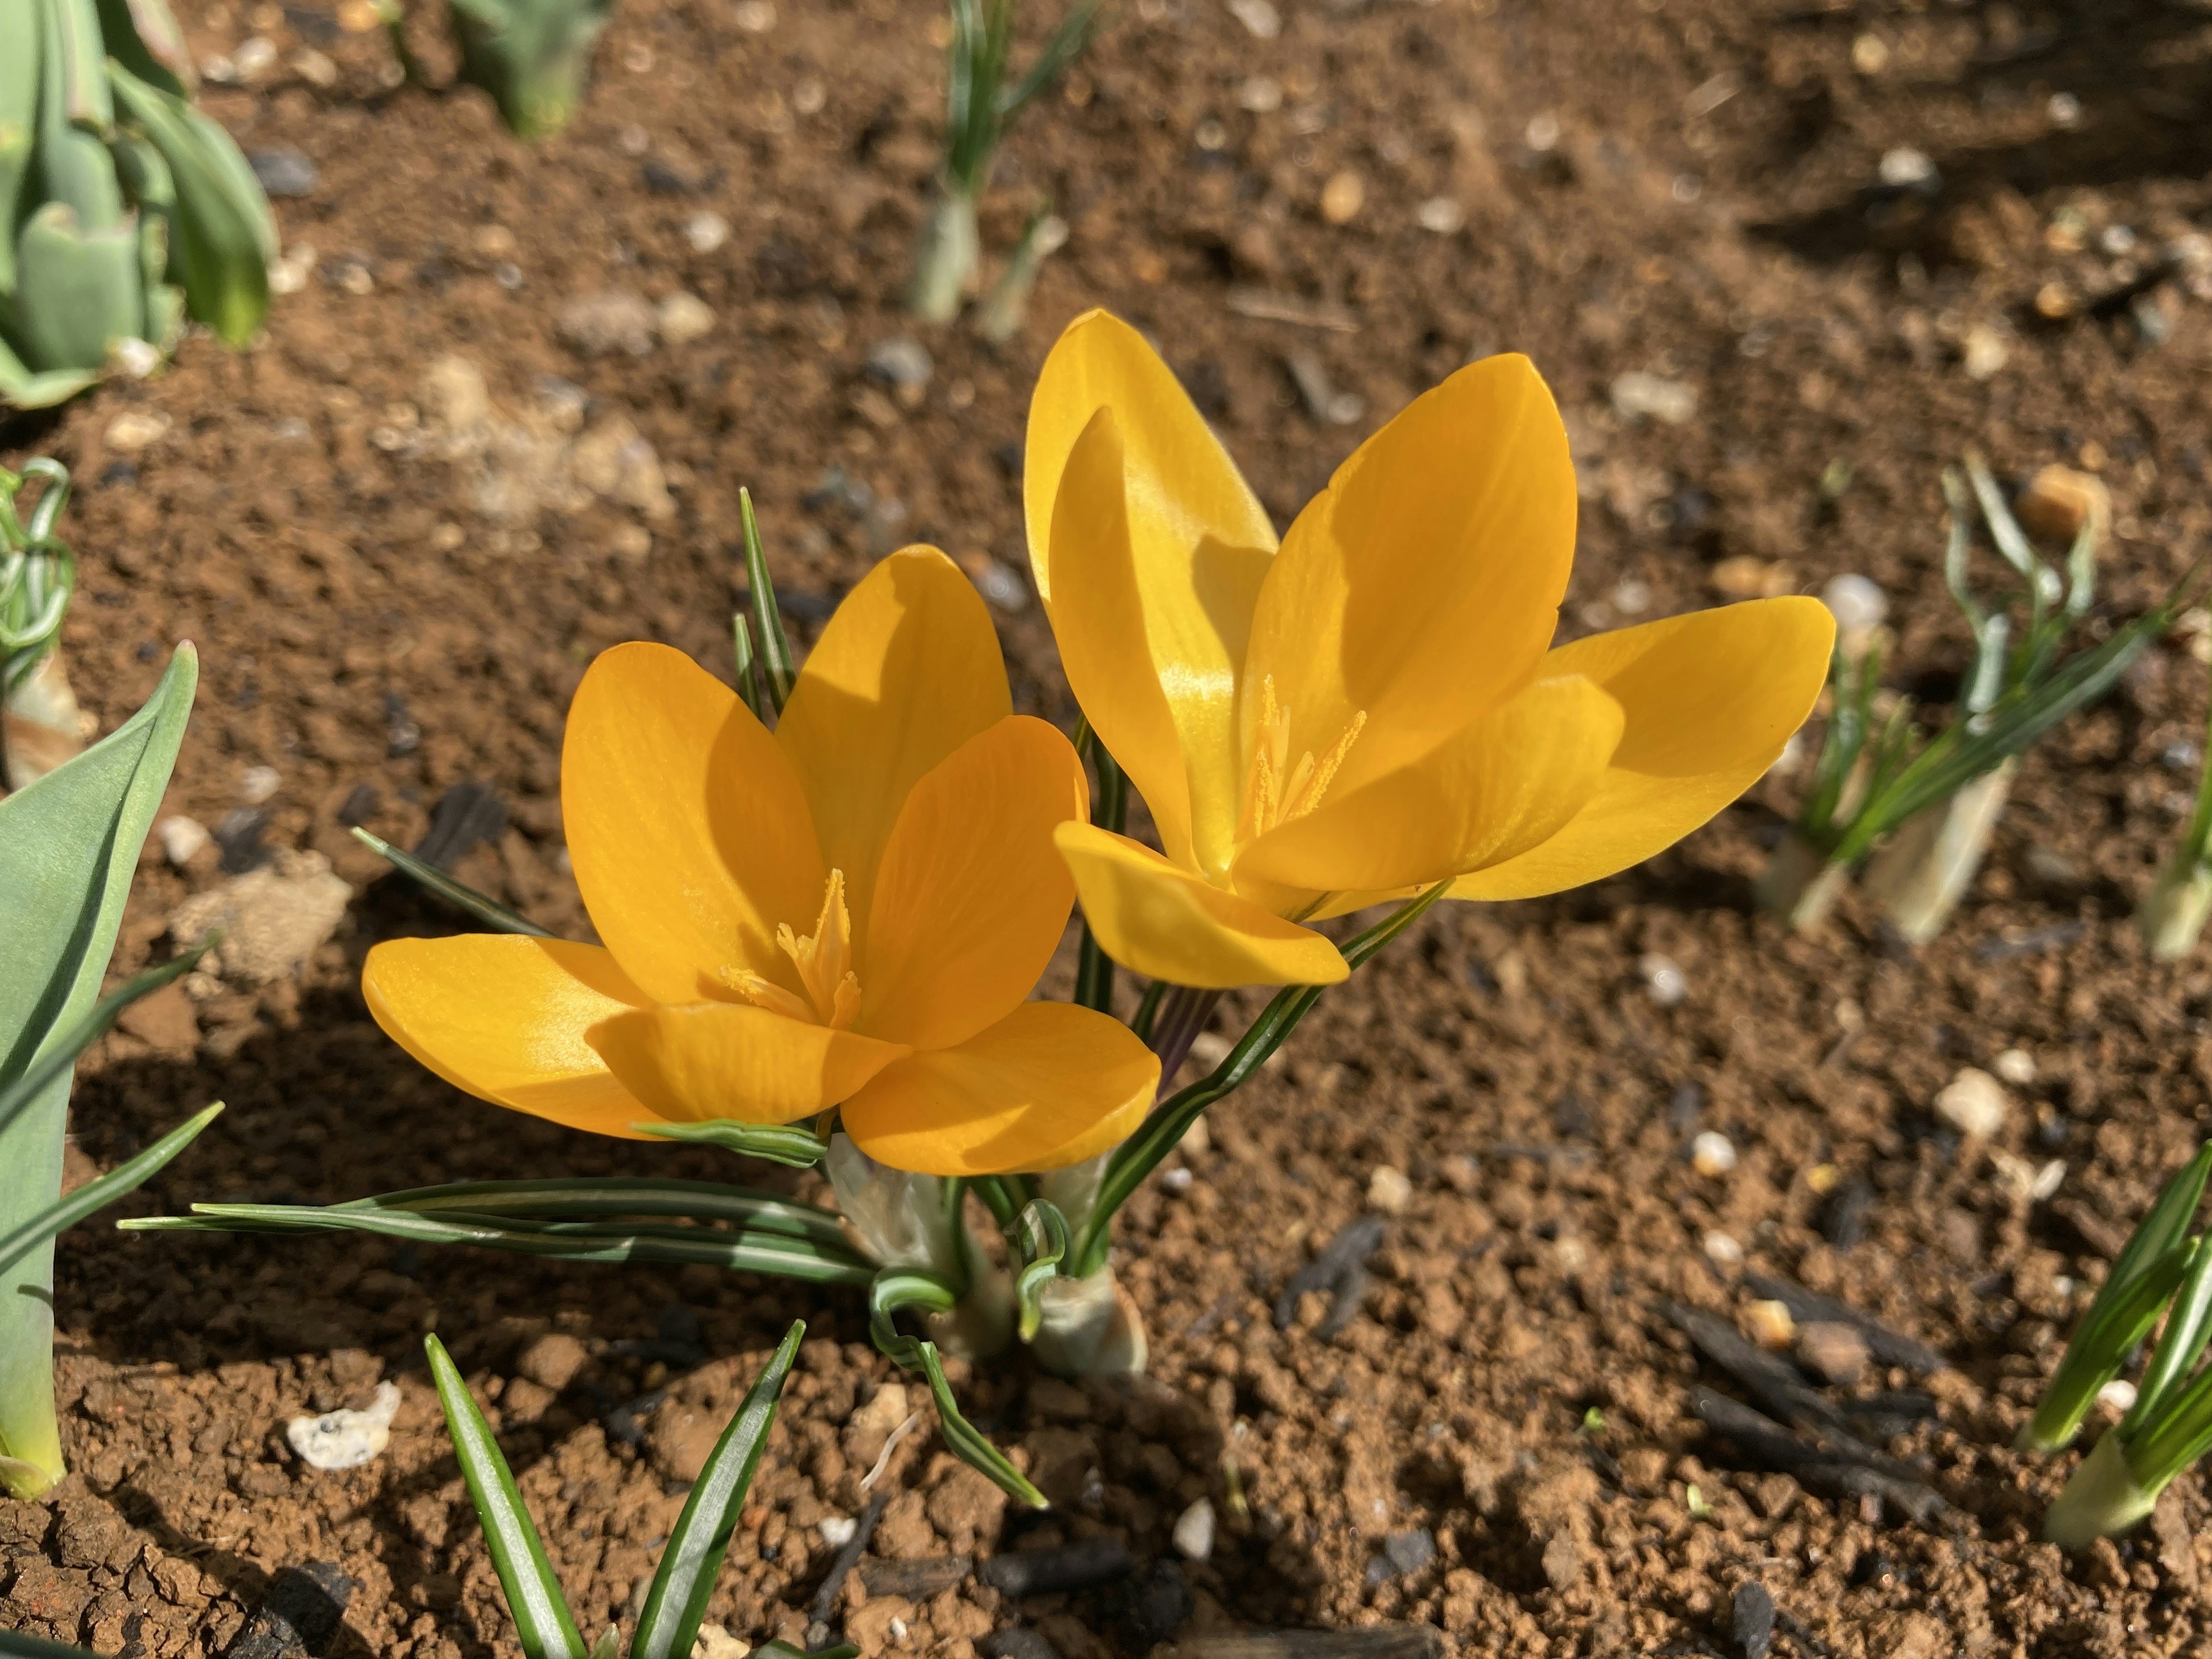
[(1276, 791), (825, 960)]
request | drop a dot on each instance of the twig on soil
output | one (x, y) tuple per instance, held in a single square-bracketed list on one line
[(1340, 1269), (1370, 1642), (1263, 306), (825, 1598), (1826, 1472), (1078, 1566), (1809, 1307)]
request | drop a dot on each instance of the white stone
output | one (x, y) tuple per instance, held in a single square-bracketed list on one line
[(1259, 17), (714, 1641), (136, 429), (1713, 1153), (706, 231), (1440, 214), (1973, 1103), (1194, 1531), (1666, 982), (683, 317), (2015, 1067), (1636, 395), (1856, 602), (180, 838), (258, 783), (1389, 1192), (2117, 1396), (1721, 1251), (837, 1530), (1904, 168), (344, 1439)]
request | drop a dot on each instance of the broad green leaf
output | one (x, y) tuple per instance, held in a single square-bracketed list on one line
[(685, 1582), (543, 1623)]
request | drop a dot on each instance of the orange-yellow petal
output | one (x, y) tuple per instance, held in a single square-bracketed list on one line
[(1150, 915), (1198, 546), (907, 670), (1100, 626), (688, 831), (1711, 698), (1511, 780), (1422, 586), (503, 1017), (973, 897), (720, 1060), (1048, 1085)]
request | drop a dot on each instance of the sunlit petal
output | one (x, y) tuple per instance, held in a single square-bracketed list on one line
[(907, 670), (1198, 543), (1165, 923), (1048, 1085), (716, 1059), (1422, 587), (1711, 698), (503, 1017), (1511, 781), (686, 826), (1099, 624), (973, 897)]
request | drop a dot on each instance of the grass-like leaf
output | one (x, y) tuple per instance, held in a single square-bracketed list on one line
[(895, 1289), (542, 1622), (1040, 1242), (584, 1197), (779, 1143), (63, 1052), (2180, 1344), (98, 1194), (777, 667), (685, 1582), (485, 909)]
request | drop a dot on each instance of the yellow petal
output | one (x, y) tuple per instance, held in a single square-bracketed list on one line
[(1511, 780), (972, 898), (1422, 586), (1710, 699), (718, 1060), (504, 1017), (1198, 545), (907, 670), (1100, 627), (685, 824), (1168, 924), (1048, 1085)]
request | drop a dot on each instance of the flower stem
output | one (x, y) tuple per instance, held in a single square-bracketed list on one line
[(2104, 1499), (945, 260), (1922, 874), (2172, 915), (1090, 1328), (1801, 882)]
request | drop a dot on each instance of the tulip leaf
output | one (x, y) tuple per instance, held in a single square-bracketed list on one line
[(685, 1580), (581, 1198), (895, 1289), (775, 664), (98, 1194), (1039, 1240), (62, 1053), (19, 111), (543, 1623), (800, 1149), (487, 910), (773, 1254)]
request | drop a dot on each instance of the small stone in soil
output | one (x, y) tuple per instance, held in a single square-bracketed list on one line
[(1018, 1642), (1750, 1620), (1147, 1609), (1410, 1551), (1769, 1324), (1042, 1573), (1665, 982), (1973, 1103), (258, 783), (1389, 1191), (345, 1439), (283, 171), (1834, 1352), (916, 1581), (180, 838), (2015, 1067), (1194, 1531), (900, 361), (1713, 1153), (305, 1608), (1636, 394)]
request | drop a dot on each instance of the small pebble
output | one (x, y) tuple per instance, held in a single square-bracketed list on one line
[(283, 171), (837, 1530), (1665, 981), (1721, 1251), (1262, 94), (1856, 602), (1542, 132), (2117, 1396), (2065, 110), (1411, 1550), (1259, 17), (1983, 352), (715, 1641), (1440, 214), (2015, 1067), (1194, 1531), (1177, 1180), (1636, 395), (1342, 197), (257, 784), (1751, 1619), (254, 56), (706, 231), (1973, 1103), (1831, 1350), (1713, 1153), (181, 838), (2058, 501), (1002, 585), (1906, 169), (754, 16), (1769, 1324), (683, 317), (345, 1440), (1389, 1192), (315, 69), (135, 429), (900, 361)]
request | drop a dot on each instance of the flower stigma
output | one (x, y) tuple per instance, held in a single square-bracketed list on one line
[(1276, 791), (825, 960)]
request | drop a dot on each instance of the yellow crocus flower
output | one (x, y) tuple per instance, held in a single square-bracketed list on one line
[(1375, 705), (899, 813)]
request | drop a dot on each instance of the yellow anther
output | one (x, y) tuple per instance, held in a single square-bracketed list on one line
[(825, 960), (1276, 791)]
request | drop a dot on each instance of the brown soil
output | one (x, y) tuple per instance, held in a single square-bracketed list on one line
[(1686, 187)]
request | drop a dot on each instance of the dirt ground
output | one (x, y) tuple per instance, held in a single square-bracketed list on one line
[(1846, 241)]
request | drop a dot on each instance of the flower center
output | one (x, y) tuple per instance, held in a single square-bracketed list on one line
[(825, 960), (1276, 791)]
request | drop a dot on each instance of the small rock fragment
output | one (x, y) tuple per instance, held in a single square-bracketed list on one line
[(1411, 1550), (1833, 1351), (1440, 215), (257, 784), (715, 1641), (2015, 1067), (1751, 1619), (706, 231), (837, 1530), (1983, 352), (283, 171), (306, 1607), (2059, 500), (900, 361), (345, 1439), (1194, 1531), (1906, 169), (1769, 1324), (1342, 197), (683, 317), (181, 838), (1259, 17), (136, 429), (1973, 1103), (2117, 1396), (616, 320), (1856, 603), (453, 394), (1713, 1153), (1721, 1251), (1636, 395), (1666, 982), (1389, 1191), (552, 1360), (272, 918)]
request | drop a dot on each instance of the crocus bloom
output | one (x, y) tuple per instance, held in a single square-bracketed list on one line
[(1375, 705), (851, 911)]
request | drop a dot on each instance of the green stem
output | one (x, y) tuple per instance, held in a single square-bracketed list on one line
[(945, 259), (1094, 970), (2104, 1499)]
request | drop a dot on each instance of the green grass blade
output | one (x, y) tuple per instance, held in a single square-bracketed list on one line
[(895, 1289), (2109, 1332), (543, 1623), (2180, 1344), (685, 1580), (778, 668), (61, 1052), (1059, 54), (584, 1197), (786, 1144), (97, 1194), (487, 910), (1040, 1241)]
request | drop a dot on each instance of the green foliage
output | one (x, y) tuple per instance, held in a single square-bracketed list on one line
[(123, 209), (533, 56), (68, 845), (38, 572)]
